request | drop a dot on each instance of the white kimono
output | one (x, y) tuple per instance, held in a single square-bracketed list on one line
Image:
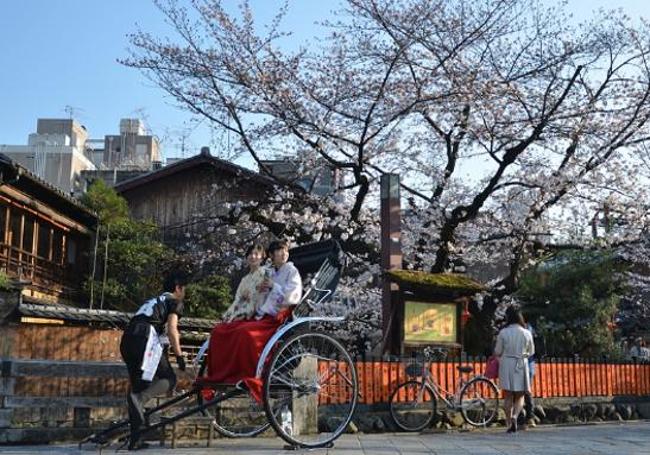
[(514, 346), (247, 298), (286, 291)]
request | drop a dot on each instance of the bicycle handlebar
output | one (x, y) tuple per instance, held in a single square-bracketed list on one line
[(430, 353)]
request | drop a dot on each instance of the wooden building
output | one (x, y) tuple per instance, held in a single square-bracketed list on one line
[(45, 235), (182, 196), (62, 372)]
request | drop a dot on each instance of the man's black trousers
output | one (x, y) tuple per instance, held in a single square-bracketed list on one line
[(132, 346)]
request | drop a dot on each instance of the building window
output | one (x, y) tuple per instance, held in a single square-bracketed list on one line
[(28, 235), (3, 223), (44, 236), (16, 220), (72, 251), (57, 246)]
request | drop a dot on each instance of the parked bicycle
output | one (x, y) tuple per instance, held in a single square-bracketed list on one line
[(413, 404)]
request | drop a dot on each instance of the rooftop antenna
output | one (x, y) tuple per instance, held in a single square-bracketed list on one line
[(72, 111), (184, 134), (141, 114)]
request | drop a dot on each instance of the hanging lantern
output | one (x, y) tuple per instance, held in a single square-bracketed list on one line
[(465, 315)]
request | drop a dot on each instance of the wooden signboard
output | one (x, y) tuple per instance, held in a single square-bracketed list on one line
[(430, 323)]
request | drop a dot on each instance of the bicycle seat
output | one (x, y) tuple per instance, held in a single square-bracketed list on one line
[(465, 369)]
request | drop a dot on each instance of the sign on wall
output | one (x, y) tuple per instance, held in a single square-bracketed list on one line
[(430, 323)]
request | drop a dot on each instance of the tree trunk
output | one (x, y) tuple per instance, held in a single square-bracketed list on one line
[(108, 237)]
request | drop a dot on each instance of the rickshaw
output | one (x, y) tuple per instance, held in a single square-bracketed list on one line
[(304, 373)]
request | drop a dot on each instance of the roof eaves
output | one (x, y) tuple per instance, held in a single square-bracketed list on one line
[(189, 163), (23, 172), (90, 315)]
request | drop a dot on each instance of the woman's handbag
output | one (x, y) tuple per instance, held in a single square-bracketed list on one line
[(492, 367)]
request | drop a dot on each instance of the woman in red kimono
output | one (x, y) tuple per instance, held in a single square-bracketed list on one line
[(235, 346)]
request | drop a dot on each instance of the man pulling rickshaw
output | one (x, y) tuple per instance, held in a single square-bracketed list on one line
[(265, 348)]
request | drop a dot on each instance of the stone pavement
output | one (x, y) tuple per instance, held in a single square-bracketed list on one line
[(604, 438)]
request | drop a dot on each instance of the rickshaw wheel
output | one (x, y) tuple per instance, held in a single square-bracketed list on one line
[(310, 390)]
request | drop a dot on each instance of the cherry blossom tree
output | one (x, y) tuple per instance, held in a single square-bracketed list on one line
[(511, 126)]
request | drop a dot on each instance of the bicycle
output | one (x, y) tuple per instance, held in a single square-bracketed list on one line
[(413, 404)]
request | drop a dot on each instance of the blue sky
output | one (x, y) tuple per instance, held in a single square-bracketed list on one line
[(58, 53)]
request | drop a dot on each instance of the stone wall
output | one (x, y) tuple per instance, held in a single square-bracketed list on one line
[(376, 418)]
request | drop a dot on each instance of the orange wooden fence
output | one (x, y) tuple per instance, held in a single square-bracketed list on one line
[(553, 378)]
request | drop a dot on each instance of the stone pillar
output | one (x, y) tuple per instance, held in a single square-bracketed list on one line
[(305, 409), (391, 258)]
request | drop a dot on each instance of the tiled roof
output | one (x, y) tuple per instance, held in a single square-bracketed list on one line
[(188, 163), (118, 318), (29, 183)]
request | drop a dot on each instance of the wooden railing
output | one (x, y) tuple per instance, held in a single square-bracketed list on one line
[(44, 400), (553, 377), (43, 383), (42, 272)]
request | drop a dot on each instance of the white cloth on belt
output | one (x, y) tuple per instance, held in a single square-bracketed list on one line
[(514, 346), (152, 354)]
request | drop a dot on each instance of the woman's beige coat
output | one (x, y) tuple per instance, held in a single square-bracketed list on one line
[(514, 346)]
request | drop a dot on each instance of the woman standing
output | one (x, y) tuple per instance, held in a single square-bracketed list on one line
[(514, 346)]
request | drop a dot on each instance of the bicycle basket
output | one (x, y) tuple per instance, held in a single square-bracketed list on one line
[(414, 369)]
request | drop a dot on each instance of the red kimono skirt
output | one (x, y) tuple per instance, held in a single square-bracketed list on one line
[(235, 348)]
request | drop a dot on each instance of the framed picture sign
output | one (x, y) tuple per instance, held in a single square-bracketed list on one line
[(430, 323)]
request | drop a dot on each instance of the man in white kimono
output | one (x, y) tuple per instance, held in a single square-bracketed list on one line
[(283, 282)]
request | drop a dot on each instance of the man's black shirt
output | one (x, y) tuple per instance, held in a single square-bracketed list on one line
[(155, 311)]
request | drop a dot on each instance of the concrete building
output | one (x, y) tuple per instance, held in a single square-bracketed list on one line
[(61, 153), (56, 153), (120, 157), (131, 149), (111, 177)]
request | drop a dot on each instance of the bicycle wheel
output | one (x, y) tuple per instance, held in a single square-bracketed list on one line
[(479, 402), (311, 376), (237, 417), (413, 406)]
